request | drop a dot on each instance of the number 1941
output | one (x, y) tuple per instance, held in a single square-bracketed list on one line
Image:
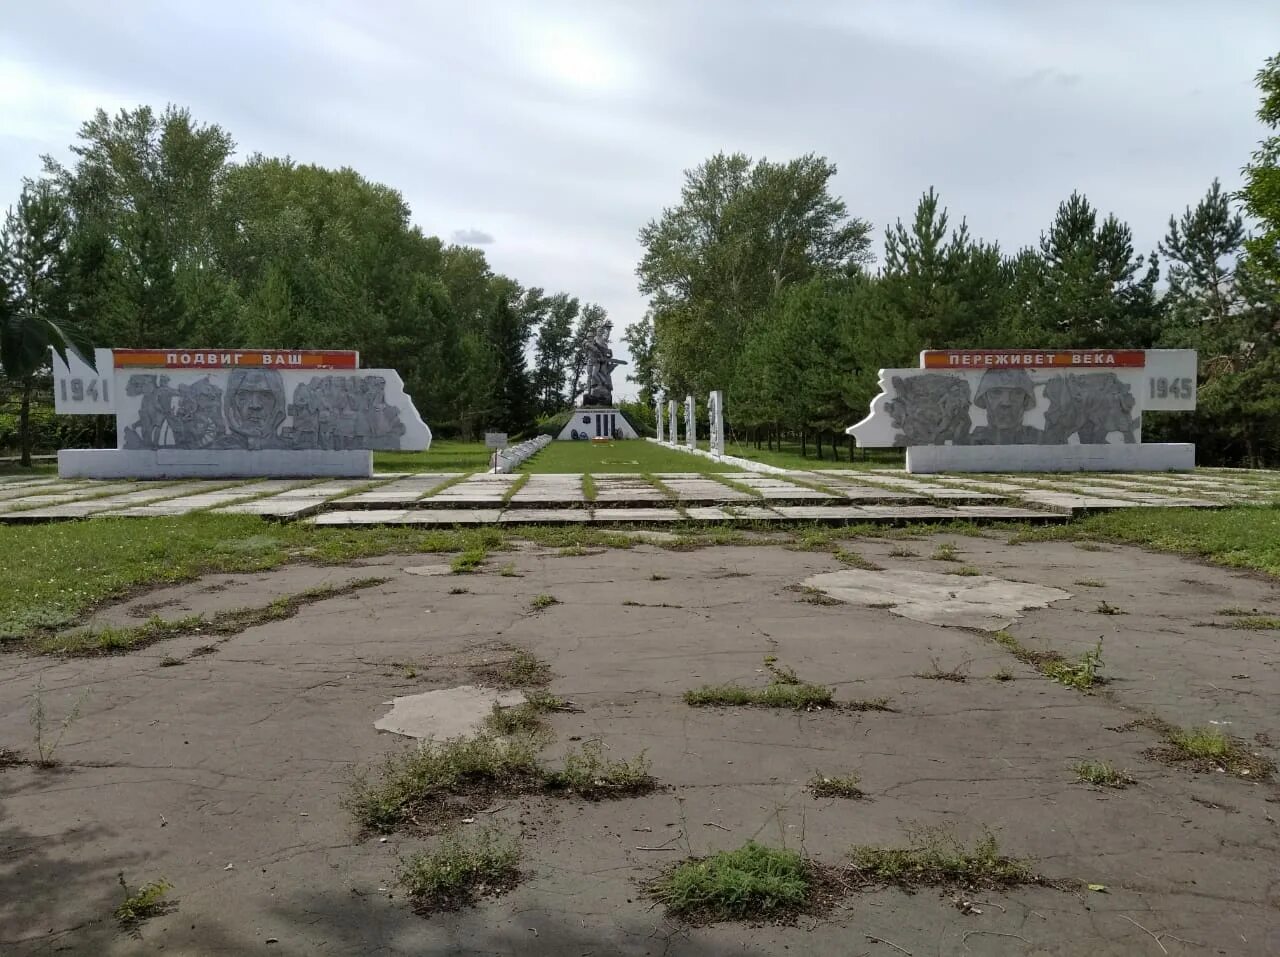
[(1162, 388)]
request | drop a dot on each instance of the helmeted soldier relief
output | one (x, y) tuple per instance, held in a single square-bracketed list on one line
[(1006, 395)]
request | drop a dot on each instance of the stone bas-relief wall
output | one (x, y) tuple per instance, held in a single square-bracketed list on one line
[(961, 401), (1010, 407), (257, 409)]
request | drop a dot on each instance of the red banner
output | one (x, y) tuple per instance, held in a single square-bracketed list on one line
[(230, 359), (1033, 358)]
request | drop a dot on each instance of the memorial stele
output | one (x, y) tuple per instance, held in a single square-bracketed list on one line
[(1032, 410), (235, 413)]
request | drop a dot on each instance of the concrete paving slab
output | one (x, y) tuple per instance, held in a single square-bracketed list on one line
[(446, 713), (427, 517), (643, 515), (544, 516), (278, 507), (977, 601), (709, 513), (401, 491), (841, 514)]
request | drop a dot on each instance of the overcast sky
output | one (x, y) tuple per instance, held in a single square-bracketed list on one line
[(549, 132)]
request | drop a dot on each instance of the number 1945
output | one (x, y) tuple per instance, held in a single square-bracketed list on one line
[(1162, 388)]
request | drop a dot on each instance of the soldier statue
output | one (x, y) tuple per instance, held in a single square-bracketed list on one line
[(600, 366)]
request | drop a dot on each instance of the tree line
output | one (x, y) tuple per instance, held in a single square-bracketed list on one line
[(152, 235), (761, 284)]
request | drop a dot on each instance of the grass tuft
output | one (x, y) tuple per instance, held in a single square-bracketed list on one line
[(462, 869), (526, 717), (541, 602), (468, 561), (813, 596), (1102, 774), (1105, 608), (1256, 623), (1091, 583), (936, 856), (590, 774), (820, 786), (412, 784), (1208, 749), (799, 697), (854, 560), (945, 552), (146, 902), (522, 670), (750, 883), (1082, 674), (967, 571)]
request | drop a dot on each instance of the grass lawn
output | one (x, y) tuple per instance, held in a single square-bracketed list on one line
[(1246, 536), (630, 455), (445, 455), (787, 455), (12, 470)]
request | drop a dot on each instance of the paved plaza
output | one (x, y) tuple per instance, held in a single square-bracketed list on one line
[(819, 495), (221, 761)]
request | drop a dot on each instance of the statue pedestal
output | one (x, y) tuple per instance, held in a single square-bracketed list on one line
[(597, 423)]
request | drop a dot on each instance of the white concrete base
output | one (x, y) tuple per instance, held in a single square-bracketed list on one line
[(748, 465), (596, 423), (221, 463), (1137, 457)]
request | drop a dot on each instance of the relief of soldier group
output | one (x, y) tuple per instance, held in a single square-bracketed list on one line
[(329, 412), (935, 409)]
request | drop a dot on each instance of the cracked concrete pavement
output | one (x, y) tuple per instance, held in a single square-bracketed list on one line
[(225, 774)]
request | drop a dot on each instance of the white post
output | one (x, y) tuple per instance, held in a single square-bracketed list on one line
[(673, 431), (690, 423), (657, 409), (715, 413)]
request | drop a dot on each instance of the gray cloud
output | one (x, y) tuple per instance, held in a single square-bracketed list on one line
[(565, 126), (471, 237)]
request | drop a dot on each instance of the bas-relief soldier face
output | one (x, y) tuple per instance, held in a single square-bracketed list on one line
[(1005, 407), (255, 403)]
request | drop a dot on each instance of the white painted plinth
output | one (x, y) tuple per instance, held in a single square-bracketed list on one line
[(597, 423), (221, 463), (1135, 457)]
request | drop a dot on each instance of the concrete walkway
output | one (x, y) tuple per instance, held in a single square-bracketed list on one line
[(826, 495)]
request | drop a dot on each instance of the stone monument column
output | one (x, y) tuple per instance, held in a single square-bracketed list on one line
[(715, 414), (672, 430), (657, 411), (690, 423)]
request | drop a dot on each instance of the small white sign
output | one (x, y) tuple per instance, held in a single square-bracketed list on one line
[(80, 390), (495, 440)]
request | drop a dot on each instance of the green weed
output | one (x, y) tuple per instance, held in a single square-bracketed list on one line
[(469, 561), (147, 901), (1102, 774), (541, 602), (464, 867), (936, 856), (590, 774), (751, 883)]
